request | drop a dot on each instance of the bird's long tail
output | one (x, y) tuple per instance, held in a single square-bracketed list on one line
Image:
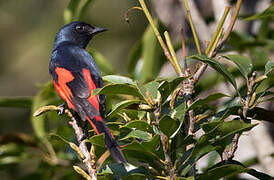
[(87, 111), (100, 127)]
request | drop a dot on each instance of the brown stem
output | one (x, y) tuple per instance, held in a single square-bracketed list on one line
[(229, 154), (165, 143), (88, 161), (191, 119)]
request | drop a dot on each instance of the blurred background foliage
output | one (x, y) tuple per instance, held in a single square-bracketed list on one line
[(28, 30), (27, 33)]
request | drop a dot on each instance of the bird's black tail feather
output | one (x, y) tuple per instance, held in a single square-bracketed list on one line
[(110, 142), (86, 112)]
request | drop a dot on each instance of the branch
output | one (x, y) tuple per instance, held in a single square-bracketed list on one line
[(89, 159), (231, 25), (203, 67), (173, 54), (160, 39), (184, 53), (217, 31), (229, 154), (165, 143), (201, 27), (192, 28)]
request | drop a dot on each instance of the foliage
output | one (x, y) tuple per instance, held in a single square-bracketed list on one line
[(149, 116)]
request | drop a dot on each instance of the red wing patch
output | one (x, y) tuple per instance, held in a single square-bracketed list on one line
[(91, 85), (64, 76), (92, 124)]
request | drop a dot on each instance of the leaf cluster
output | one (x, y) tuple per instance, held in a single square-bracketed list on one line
[(149, 117)]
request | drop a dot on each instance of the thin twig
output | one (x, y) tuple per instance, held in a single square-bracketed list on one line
[(218, 29), (129, 10), (184, 53), (82, 146), (211, 51), (89, 163), (160, 39), (229, 154), (231, 25), (192, 28), (173, 54), (164, 140), (203, 67), (250, 85)]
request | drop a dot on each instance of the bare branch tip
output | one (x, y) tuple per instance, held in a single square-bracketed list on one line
[(126, 15), (45, 109)]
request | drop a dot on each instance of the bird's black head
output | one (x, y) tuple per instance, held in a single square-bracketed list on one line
[(78, 33)]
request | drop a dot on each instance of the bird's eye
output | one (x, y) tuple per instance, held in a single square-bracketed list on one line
[(79, 29)]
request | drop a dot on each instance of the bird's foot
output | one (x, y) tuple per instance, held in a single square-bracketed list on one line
[(62, 109)]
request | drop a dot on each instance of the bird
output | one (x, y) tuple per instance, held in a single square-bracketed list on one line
[(75, 75)]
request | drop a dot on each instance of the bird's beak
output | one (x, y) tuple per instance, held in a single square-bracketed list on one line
[(97, 30)]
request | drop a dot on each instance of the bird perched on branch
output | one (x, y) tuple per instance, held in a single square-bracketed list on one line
[(75, 76)]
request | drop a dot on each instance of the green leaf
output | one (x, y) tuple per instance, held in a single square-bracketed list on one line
[(243, 63), (101, 61), (134, 56), (140, 125), (142, 153), (188, 178), (168, 125), (21, 102), (261, 114), (203, 151), (228, 170), (98, 140), (265, 85), (9, 160), (208, 126), (44, 97), (150, 88), (218, 67), (210, 98), (70, 11), (120, 106), (225, 129), (21, 139), (151, 53), (212, 140), (180, 112), (116, 89), (152, 145), (269, 67), (114, 125), (121, 170), (118, 79), (268, 13), (10, 149), (137, 134), (168, 86)]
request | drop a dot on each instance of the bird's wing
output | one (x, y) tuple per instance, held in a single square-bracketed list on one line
[(76, 88)]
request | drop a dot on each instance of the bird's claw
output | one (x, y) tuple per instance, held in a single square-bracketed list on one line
[(61, 109)]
